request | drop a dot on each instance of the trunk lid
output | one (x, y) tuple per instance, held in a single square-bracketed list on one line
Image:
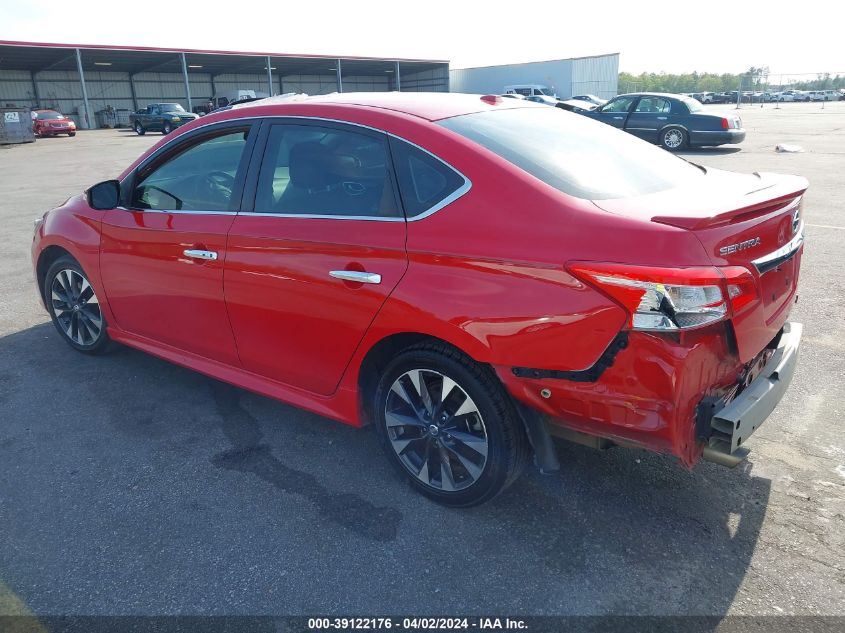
[(748, 220)]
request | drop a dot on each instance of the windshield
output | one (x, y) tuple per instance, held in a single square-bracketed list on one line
[(547, 91), (171, 107), (579, 156), (46, 116), (693, 105)]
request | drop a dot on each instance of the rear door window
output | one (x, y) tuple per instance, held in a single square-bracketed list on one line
[(426, 183), (314, 170)]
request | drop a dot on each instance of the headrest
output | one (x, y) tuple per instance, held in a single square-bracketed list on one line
[(310, 165)]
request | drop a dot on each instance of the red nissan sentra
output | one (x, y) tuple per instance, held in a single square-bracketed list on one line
[(472, 275)]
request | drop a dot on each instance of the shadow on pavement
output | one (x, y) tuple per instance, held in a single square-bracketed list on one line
[(106, 459)]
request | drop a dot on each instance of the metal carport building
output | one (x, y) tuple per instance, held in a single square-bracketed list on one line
[(75, 79)]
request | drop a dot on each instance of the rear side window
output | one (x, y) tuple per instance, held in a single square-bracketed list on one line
[(325, 171), (425, 182), (573, 153)]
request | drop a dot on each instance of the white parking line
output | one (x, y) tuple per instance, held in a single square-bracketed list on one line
[(826, 226)]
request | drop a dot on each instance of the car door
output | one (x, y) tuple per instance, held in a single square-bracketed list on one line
[(150, 118), (648, 117), (615, 111), (311, 264), (162, 251)]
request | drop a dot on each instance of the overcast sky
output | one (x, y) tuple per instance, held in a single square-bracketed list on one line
[(681, 36)]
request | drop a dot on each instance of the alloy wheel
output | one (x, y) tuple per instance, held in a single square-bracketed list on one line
[(76, 308), (673, 139), (436, 430)]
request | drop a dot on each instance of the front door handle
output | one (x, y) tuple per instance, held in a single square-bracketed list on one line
[(199, 254), (357, 276), (619, 118), (661, 118)]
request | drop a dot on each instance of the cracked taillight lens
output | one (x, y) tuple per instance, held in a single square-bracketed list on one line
[(668, 299)]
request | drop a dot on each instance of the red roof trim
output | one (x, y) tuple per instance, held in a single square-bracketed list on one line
[(199, 51)]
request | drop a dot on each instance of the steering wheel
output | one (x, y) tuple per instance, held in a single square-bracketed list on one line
[(220, 180)]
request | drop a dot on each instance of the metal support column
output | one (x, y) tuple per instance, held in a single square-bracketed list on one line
[(132, 91), (269, 78), (35, 90), (213, 87), (398, 79), (187, 84), (89, 119), (339, 79)]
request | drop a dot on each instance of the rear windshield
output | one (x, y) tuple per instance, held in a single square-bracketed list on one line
[(577, 155), (50, 115), (692, 104)]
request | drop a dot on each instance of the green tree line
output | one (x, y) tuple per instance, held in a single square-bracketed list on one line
[(752, 79)]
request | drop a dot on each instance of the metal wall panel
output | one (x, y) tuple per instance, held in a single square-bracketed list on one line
[(595, 75), (436, 80)]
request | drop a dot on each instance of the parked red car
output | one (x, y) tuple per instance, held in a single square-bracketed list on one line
[(472, 275), (52, 123)]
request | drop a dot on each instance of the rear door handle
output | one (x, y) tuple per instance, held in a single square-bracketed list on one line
[(619, 118), (356, 276), (661, 118), (198, 254)]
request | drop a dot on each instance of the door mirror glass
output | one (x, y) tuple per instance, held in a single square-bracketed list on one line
[(104, 195)]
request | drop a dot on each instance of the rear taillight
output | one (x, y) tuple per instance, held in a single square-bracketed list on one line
[(668, 299), (725, 124)]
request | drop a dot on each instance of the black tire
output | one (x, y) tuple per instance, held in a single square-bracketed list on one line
[(673, 138), (507, 447), (167, 128), (139, 129), (71, 134), (75, 315)]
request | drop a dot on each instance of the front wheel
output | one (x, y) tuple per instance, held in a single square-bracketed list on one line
[(71, 134), (673, 138), (139, 129), (74, 307), (448, 426), (166, 129)]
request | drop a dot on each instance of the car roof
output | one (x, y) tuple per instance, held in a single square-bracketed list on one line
[(670, 95), (431, 106)]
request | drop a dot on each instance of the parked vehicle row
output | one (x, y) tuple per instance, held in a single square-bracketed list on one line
[(618, 294), (731, 96)]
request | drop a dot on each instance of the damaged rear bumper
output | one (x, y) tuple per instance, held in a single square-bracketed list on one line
[(730, 424)]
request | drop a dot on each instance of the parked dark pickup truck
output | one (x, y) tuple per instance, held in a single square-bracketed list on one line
[(160, 117)]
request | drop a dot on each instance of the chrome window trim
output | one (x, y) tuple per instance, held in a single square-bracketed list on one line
[(455, 195), (777, 257), (179, 211)]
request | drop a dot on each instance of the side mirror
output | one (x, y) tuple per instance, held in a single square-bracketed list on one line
[(104, 195)]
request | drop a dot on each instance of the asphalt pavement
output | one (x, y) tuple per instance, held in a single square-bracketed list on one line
[(132, 486)]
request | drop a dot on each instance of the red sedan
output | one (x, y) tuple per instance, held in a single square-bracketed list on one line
[(472, 275), (52, 123)]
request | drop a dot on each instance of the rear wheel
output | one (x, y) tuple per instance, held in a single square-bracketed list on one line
[(448, 426), (139, 129), (673, 138), (74, 307)]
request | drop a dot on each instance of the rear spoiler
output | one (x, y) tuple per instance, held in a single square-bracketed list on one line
[(775, 196)]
